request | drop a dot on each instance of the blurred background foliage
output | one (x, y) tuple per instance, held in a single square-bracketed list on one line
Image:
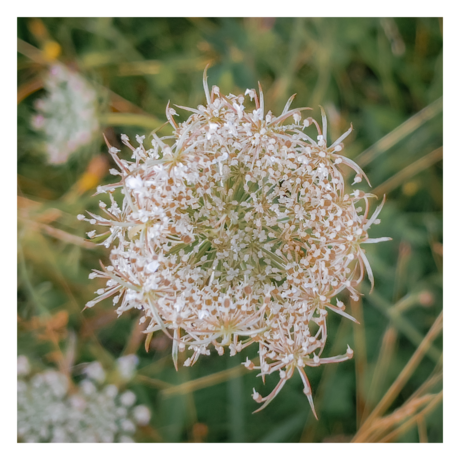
[(382, 75)]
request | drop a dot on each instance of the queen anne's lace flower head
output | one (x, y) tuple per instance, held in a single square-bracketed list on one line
[(49, 410), (236, 230), (67, 115)]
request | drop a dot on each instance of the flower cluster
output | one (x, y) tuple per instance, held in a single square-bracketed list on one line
[(236, 230), (53, 409), (67, 115)]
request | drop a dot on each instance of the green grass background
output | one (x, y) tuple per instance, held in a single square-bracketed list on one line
[(375, 73)]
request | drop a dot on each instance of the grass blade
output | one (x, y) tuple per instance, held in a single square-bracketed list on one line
[(402, 379), (204, 382), (130, 119), (399, 133), (409, 171)]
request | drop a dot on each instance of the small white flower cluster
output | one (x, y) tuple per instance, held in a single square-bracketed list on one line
[(239, 231), (53, 409), (67, 115)]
